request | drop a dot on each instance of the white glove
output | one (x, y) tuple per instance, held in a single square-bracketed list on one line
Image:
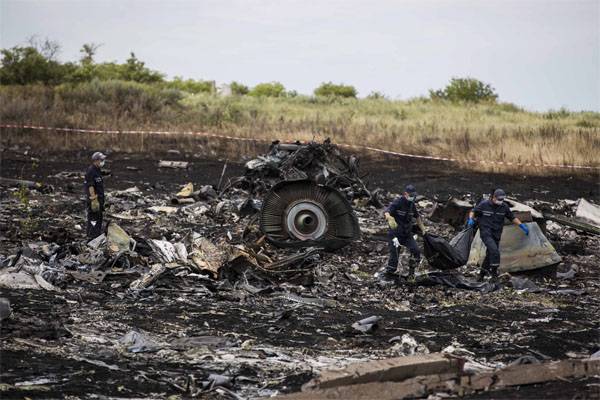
[(396, 242)]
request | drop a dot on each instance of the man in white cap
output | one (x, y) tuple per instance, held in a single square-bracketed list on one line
[(490, 215), (94, 192)]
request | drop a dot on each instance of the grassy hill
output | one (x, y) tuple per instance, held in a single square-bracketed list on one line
[(485, 131)]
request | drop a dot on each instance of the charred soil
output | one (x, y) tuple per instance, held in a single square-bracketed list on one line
[(70, 342)]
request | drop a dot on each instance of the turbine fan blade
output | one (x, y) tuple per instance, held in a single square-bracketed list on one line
[(301, 213)]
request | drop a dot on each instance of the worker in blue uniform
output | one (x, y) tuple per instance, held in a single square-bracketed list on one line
[(93, 186), (401, 215), (489, 215)]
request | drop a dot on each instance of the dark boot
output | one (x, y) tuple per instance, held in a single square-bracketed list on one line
[(494, 274), (388, 275), (412, 265), (482, 273)]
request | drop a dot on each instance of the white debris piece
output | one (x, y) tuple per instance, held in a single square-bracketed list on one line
[(520, 252), (163, 209), (588, 212), (173, 164), (167, 252)]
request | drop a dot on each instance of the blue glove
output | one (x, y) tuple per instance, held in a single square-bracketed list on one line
[(470, 223), (524, 228)]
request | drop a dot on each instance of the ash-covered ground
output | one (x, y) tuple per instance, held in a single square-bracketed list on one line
[(189, 335)]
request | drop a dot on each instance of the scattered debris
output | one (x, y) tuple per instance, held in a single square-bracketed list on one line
[(173, 164), (137, 342), (570, 222), (322, 163), (588, 212), (186, 191), (5, 309), (387, 370), (420, 376), (20, 183), (367, 325), (191, 298)]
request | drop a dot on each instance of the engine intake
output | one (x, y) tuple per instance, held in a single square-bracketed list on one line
[(302, 214)]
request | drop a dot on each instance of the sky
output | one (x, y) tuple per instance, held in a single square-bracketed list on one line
[(539, 54)]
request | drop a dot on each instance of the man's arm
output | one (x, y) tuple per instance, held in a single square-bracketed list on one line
[(517, 221), (391, 208), (475, 212), (92, 192), (388, 214), (420, 224)]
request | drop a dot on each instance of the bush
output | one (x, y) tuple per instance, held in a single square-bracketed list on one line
[(238, 89), (191, 86), (562, 113), (272, 89), (119, 96), (376, 96), (328, 89), (465, 89), (26, 65)]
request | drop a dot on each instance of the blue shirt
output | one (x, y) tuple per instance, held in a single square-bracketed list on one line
[(403, 212), (490, 218)]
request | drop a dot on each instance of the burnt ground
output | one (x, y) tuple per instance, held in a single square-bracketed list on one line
[(434, 179), (67, 343)]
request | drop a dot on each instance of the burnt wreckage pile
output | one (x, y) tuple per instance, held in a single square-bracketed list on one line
[(307, 189), (197, 291)]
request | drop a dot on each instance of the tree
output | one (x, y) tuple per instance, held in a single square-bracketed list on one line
[(49, 49), (465, 89), (88, 51), (271, 89), (135, 70), (329, 89)]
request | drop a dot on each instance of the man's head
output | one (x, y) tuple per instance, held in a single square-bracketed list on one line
[(410, 193), (498, 196), (98, 159)]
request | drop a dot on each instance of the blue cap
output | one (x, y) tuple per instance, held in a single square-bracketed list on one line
[(410, 189), (499, 194)]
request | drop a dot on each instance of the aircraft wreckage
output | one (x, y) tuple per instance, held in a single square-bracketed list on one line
[(302, 213), (308, 204), (189, 292)]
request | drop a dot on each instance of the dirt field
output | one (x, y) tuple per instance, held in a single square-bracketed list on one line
[(69, 343)]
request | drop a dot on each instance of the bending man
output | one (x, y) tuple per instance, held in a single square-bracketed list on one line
[(490, 215), (399, 215)]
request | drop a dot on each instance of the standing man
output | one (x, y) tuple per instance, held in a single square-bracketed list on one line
[(94, 193), (490, 215), (399, 216)]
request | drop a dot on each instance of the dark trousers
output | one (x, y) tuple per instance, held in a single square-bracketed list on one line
[(406, 241), (492, 254), (94, 222)]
